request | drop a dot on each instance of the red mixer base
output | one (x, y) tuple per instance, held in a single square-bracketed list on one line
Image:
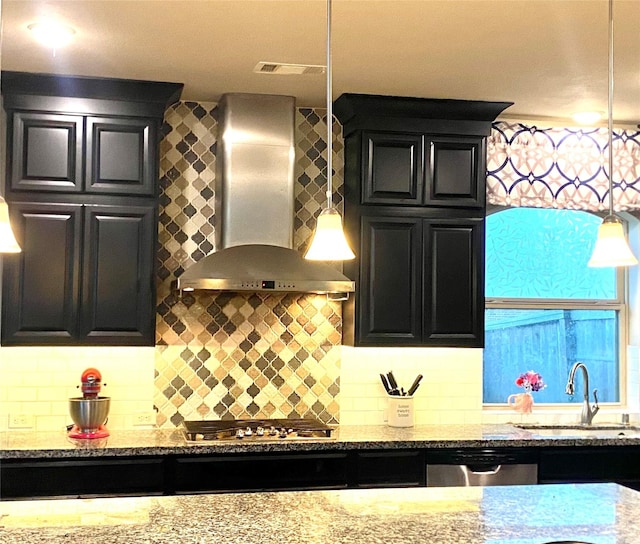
[(100, 432)]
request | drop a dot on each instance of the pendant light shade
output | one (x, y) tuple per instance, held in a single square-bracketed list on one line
[(329, 242), (611, 248), (8, 243)]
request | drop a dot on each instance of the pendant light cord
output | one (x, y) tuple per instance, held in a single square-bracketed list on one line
[(329, 110), (610, 107)]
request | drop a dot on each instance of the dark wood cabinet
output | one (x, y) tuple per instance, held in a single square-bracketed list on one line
[(417, 170), (295, 471), (82, 477), (415, 174), (390, 287), (404, 468), (184, 473), (456, 171), (118, 274), (41, 286), (71, 153), (211, 473), (121, 156), (47, 151), (421, 281), (85, 275), (393, 168), (82, 186), (453, 271), (620, 465)]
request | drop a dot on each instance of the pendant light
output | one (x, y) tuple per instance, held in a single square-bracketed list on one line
[(611, 248), (8, 243), (329, 242)]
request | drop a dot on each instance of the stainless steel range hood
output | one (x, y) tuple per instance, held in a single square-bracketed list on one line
[(255, 205)]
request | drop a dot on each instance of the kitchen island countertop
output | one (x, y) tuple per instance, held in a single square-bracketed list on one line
[(590, 513), (32, 444)]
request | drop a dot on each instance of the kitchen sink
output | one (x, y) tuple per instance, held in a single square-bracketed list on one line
[(602, 430)]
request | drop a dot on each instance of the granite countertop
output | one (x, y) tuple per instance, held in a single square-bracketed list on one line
[(589, 513), (31, 444)]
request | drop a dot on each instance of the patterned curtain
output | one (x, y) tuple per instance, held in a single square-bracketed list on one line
[(562, 167)]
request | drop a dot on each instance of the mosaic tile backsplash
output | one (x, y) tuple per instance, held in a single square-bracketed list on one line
[(227, 355)]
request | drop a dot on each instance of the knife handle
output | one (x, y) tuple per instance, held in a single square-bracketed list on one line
[(385, 383), (415, 385), (392, 381)]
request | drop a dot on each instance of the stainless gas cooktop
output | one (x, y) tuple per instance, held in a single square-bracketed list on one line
[(255, 429)]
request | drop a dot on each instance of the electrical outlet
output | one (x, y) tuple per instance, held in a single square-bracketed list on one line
[(144, 418), (21, 421)]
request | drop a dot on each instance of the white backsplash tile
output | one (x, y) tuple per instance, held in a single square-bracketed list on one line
[(450, 391), (38, 381)]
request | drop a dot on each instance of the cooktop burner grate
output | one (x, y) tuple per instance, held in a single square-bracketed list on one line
[(255, 429)]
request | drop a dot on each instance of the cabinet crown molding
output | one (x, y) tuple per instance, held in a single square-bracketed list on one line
[(23, 90), (358, 111)]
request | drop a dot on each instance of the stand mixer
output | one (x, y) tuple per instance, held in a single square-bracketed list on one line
[(89, 412)]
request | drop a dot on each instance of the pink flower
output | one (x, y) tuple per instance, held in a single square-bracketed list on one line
[(530, 381)]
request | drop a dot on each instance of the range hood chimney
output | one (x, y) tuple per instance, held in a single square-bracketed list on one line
[(255, 205)]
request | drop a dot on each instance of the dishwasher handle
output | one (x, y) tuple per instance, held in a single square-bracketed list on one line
[(489, 470)]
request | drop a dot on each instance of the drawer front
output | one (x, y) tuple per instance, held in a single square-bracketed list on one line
[(81, 478), (621, 465), (248, 473), (390, 469)]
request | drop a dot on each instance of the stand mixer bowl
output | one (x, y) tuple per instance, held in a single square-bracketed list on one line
[(89, 413)]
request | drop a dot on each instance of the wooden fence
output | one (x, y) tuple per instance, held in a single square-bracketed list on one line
[(550, 342)]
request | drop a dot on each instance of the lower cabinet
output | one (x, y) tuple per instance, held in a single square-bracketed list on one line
[(204, 474), (580, 465), (313, 470), (184, 474), (82, 477), (405, 468)]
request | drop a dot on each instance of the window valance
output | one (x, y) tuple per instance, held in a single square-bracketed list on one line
[(562, 167)]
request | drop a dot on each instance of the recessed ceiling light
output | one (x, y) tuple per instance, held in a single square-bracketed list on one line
[(587, 117), (51, 34)]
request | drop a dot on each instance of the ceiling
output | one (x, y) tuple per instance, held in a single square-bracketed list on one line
[(549, 57)]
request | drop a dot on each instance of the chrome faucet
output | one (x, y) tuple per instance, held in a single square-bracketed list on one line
[(588, 411)]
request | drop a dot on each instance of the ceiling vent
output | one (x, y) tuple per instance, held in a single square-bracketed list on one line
[(288, 69)]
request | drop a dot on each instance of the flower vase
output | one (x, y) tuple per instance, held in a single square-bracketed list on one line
[(521, 402)]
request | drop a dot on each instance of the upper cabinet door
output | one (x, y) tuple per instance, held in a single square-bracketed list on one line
[(393, 168), (390, 290), (456, 172), (454, 282), (121, 156), (40, 285), (46, 152), (118, 302)]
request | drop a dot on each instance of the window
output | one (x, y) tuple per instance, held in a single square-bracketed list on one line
[(545, 309)]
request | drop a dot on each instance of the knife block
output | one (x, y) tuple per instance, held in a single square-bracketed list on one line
[(400, 411)]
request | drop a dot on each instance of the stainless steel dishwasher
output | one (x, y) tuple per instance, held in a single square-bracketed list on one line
[(481, 468)]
